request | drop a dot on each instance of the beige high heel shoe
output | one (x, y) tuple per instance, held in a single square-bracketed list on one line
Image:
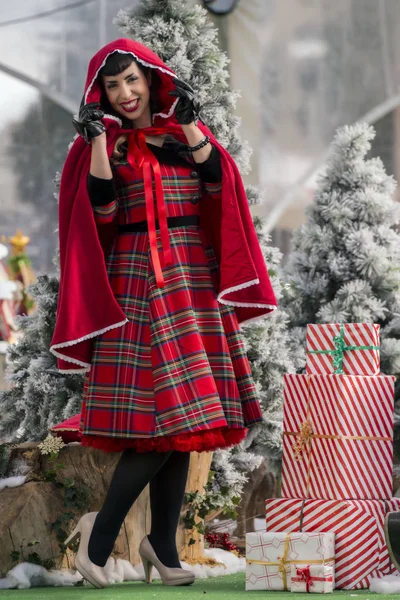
[(91, 572), (169, 575)]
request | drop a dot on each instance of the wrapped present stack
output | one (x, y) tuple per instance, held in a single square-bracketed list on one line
[(338, 453)]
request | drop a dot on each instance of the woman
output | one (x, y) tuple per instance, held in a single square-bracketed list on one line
[(149, 308)]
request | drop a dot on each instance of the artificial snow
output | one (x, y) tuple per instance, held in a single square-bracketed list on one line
[(389, 584), (122, 570), (259, 524), (26, 575), (12, 481), (232, 564)]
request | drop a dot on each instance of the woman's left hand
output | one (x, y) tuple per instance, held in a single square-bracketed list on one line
[(187, 109)]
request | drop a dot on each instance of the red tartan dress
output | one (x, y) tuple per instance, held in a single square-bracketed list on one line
[(176, 375)]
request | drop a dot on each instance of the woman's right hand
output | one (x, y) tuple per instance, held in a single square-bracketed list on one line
[(116, 152), (88, 123)]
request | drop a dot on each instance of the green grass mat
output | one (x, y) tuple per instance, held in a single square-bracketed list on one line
[(229, 587)]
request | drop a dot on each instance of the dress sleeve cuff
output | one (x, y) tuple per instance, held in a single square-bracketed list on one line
[(210, 170), (101, 191)]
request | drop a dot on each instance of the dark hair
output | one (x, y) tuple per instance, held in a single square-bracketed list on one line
[(115, 64)]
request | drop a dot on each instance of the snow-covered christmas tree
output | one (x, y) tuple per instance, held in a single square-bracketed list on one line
[(345, 264), (268, 347), (40, 396)]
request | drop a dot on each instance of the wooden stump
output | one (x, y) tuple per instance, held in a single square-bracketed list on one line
[(198, 475), (28, 511), (262, 484)]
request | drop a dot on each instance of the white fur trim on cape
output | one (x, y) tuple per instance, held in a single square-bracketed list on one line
[(143, 62), (240, 287), (113, 118), (259, 318), (76, 136), (170, 112), (72, 371), (81, 339)]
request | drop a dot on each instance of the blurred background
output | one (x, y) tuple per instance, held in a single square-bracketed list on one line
[(304, 68)]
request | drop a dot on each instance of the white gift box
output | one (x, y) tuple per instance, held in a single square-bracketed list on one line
[(270, 556), (316, 579)]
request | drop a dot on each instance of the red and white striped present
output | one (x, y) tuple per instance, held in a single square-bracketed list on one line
[(360, 549), (270, 556), (349, 348), (338, 436)]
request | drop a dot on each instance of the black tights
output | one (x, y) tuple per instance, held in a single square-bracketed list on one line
[(167, 473)]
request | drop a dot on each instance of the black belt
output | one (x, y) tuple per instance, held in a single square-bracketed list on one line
[(171, 222)]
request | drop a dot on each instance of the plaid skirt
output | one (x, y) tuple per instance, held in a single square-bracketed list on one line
[(176, 376)]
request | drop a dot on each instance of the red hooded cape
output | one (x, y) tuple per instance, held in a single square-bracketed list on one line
[(86, 304)]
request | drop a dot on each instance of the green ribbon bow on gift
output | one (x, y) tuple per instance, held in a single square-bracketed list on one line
[(338, 352)]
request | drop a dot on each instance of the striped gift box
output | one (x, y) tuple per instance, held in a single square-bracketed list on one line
[(350, 348), (360, 549), (338, 437)]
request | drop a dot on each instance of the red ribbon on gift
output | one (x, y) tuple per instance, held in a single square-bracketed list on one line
[(305, 575)]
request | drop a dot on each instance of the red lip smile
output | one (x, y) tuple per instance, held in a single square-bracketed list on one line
[(125, 105)]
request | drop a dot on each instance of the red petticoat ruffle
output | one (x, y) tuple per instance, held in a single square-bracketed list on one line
[(199, 441)]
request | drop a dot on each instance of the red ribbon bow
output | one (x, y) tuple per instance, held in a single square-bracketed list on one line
[(140, 156), (305, 575)]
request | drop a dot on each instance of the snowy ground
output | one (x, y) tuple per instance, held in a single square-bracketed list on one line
[(26, 575)]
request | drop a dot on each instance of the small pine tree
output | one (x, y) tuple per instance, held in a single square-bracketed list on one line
[(40, 396), (345, 264)]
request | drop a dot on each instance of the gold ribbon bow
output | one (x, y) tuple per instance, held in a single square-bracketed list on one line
[(305, 436)]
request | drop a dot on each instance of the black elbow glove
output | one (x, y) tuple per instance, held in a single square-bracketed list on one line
[(88, 123)]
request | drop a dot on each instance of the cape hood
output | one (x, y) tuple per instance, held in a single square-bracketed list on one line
[(86, 304)]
